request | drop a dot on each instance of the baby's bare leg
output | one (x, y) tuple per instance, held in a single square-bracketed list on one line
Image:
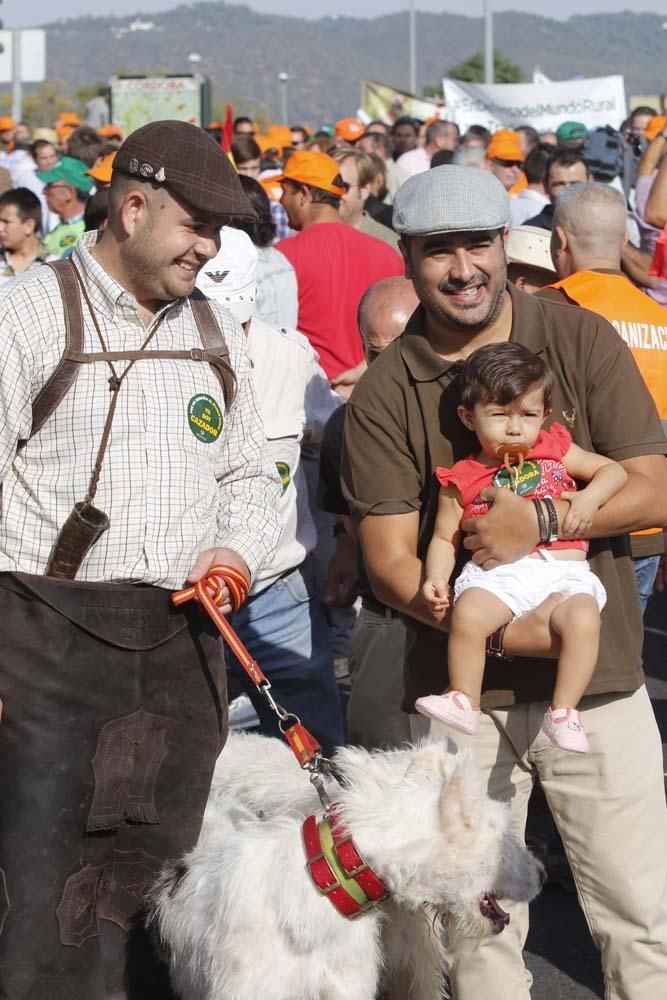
[(577, 622), (475, 616)]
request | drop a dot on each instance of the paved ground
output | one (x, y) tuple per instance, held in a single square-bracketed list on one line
[(561, 955)]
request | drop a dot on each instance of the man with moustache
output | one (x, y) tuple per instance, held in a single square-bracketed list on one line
[(401, 423)]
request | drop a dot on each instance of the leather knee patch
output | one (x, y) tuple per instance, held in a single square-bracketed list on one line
[(77, 909), (5, 905), (130, 751), (127, 879)]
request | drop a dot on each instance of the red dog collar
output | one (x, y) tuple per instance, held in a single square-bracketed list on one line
[(337, 868)]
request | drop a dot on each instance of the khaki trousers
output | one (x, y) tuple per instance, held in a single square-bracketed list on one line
[(609, 807)]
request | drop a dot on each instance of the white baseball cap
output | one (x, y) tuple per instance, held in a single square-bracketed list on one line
[(230, 279)]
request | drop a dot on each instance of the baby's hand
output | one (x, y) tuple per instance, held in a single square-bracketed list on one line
[(436, 595), (579, 518)]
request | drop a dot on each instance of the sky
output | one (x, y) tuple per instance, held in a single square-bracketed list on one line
[(19, 14)]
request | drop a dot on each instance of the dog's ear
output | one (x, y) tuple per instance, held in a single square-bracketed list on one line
[(456, 815), (429, 759)]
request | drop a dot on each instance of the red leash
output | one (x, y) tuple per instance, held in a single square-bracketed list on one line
[(209, 593), (305, 747)]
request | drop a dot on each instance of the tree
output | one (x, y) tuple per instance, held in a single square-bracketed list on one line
[(472, 69), (44, 104)]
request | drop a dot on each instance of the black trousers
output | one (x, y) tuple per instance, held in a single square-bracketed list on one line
[(114, 713)]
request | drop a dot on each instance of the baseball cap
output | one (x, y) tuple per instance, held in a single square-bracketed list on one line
[(69, 170), (450, 199), (230, 279), (109, 131), (102, 171), (571, 131), (349, 129), (530, 245), (657, 124), (505, 145), (69, 118), (279, 136), (7, 123), (188, 162), (314, 169)]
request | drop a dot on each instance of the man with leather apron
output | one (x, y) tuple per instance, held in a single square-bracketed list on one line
[(131, 461)]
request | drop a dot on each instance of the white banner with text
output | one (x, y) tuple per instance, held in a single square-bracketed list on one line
[(595, 102)]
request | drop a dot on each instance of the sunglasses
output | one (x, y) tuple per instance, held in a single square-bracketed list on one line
[(508, 163)]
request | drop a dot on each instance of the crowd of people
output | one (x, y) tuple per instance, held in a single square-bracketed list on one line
[(406, 381)]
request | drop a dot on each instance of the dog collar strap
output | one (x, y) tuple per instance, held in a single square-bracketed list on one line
[(352, 862), (346, 892)]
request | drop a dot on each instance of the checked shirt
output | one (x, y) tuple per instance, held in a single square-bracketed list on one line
[(170, 488)]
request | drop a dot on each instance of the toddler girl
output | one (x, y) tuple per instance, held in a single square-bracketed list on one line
[(505, 399)]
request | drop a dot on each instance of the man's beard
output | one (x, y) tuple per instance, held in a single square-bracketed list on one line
[(456, 318)]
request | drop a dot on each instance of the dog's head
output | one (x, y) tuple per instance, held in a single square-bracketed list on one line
[(424, 823)]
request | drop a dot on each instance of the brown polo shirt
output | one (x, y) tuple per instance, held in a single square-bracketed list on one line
[(401, 423)]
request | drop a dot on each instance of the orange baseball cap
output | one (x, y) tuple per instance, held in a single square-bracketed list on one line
[(656, 124), (108, 131), (314, 169), (505, 145), (349, 129), (7, 123), (102, 171), (279, 136), (69, 118), (272, 186)]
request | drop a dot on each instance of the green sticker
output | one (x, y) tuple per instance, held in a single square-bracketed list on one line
[(205, 418), (527, 480), (284, 473)]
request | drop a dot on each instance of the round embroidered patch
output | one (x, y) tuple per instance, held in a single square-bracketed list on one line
[(284, 473), (527, 480), (205, 418)]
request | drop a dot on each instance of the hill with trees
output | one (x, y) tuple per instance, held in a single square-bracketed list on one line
[(242, 52)]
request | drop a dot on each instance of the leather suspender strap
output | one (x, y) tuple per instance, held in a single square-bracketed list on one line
[(215, 351), (213, 340), (195, 354), (64, 374)]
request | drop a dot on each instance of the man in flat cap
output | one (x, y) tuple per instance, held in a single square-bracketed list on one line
[(401, 423), (130, 463)]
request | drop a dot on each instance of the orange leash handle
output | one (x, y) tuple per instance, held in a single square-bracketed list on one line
[(209, 593), (208, 590)]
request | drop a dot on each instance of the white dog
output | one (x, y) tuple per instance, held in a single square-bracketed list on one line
[(242, 920)]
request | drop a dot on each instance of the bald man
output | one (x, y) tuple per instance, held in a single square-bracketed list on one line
[(587, 240), (374, 714)]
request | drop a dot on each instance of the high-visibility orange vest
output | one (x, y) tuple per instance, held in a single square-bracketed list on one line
[(640, 321)]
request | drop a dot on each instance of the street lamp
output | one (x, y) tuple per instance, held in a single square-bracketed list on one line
[(413, 48), (488, 42), (283, 78)]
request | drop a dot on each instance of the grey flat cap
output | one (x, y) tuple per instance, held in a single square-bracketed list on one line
[(450, 199)]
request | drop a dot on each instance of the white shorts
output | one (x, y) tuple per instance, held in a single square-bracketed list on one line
[(524, 584)]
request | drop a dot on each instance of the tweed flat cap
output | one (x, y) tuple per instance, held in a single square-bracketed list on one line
[(189, 163), (450, 199)]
